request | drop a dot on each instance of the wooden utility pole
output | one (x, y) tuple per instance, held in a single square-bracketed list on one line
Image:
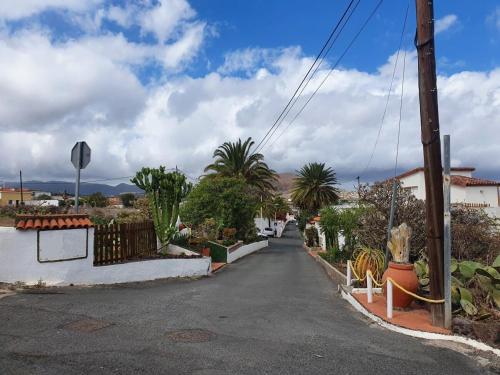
[(433, 170)]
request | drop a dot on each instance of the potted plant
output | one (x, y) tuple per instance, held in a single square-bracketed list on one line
[(400, 269)]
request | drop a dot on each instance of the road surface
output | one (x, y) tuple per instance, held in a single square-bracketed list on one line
[(273, 312)]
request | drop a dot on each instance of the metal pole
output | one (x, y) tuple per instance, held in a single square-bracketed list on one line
[(21, 184), (369, 289), (391, 220), (77, 184), (447, 234), (431, 142)]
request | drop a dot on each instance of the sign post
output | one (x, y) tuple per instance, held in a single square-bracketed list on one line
[(447, 233), (80, 157)]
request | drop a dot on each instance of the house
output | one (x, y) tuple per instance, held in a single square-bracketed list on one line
[(465, 190), (13, 197)]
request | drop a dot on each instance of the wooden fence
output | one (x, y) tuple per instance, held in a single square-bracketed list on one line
[(116, 243)]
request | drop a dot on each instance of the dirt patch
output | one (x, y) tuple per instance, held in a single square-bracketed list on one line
[(6, 221)]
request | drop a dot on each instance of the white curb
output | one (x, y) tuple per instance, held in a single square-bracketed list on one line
[(420, 334)]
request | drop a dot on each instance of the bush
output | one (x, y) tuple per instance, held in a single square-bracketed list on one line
[(229, 202), (474, 234), (128, 199), (312, 238)]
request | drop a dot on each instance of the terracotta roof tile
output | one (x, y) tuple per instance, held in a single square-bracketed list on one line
[(471, 181), (63, 221)]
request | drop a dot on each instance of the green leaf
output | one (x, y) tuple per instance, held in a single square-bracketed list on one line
[(453, 265), (465, 294), (495, 296), (468, 307), (484, 272), (496, 263), (468, 268)]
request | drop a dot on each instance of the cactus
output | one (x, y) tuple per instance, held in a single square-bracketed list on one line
[(164, 192), (399, 243), (472, 284)]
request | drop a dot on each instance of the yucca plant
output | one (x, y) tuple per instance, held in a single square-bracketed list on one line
[(365, 259)]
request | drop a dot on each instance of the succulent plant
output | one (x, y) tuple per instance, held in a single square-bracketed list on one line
[(164, 192), (365, 259), (474, 286)]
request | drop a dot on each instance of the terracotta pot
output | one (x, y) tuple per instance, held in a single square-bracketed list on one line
[(205, 251), (404, 274)]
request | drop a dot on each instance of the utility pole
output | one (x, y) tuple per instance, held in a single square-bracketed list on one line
[(21, 185), (433, 170)]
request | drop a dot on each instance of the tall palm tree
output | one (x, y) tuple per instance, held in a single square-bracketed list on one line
[(236, 160), (314, 187)]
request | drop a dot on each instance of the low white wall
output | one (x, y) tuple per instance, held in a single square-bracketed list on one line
[(18, 262), (245, 250)]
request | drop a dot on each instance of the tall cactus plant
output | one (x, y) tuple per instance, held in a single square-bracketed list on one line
[(165, 192)]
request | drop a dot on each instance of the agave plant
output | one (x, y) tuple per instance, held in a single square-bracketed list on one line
[(474, 286), (365, 259)]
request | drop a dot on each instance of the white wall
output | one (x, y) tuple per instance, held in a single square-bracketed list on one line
[(42, 203), (245, 250), (18, 262), (415, 182), (482, 194)]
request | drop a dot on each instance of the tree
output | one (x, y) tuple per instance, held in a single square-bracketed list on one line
[(275, 207), (227, 200), (128, 199), (97, 200), (314, 187), (164, 191), (237, 160)]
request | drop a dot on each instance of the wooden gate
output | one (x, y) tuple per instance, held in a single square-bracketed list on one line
[(116, 243)]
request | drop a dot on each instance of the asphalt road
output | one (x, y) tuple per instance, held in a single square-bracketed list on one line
[(273, 312)]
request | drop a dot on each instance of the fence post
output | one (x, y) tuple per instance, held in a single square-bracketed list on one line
[(369, 287), (389, 299), (349, 279)]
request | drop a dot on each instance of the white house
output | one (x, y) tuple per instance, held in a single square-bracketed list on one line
[(465, 190)]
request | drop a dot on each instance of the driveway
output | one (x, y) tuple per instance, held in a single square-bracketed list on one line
[(273, 312)]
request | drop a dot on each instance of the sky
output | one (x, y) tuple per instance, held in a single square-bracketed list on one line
[(164, 82)]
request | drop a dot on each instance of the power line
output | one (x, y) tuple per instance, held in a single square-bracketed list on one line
[(331, 70), (311, 76), (388, 93), (307, 74)]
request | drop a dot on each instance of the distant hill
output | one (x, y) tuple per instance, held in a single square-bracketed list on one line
[(69, 187), (285, 182)]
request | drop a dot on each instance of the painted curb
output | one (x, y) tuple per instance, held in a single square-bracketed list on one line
[(419, 334)]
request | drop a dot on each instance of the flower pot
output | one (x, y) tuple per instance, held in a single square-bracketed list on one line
[(205, 251), (404, 274)]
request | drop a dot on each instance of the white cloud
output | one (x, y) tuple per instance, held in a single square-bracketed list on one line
[(494, 18), (17, 9), (445, 23), (55, 93), (165, 17)]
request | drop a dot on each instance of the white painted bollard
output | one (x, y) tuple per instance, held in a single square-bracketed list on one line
[(389, 299), (369, 287), (349, 279)]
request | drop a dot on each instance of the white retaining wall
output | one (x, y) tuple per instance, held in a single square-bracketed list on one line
[(245, 250), (18, 261)]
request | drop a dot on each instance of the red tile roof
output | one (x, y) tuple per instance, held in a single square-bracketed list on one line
[(65, 221), (421, 169), (471, 181)]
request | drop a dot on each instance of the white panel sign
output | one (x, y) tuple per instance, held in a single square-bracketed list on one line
[(65, 244)]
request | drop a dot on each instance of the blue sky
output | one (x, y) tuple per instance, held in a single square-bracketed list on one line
[(149, 82)]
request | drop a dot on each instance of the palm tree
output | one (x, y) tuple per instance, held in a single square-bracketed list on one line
[(236, 160), (314, 187)]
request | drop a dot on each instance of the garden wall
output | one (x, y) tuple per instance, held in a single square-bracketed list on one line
[(245, 250), (20, 260)]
